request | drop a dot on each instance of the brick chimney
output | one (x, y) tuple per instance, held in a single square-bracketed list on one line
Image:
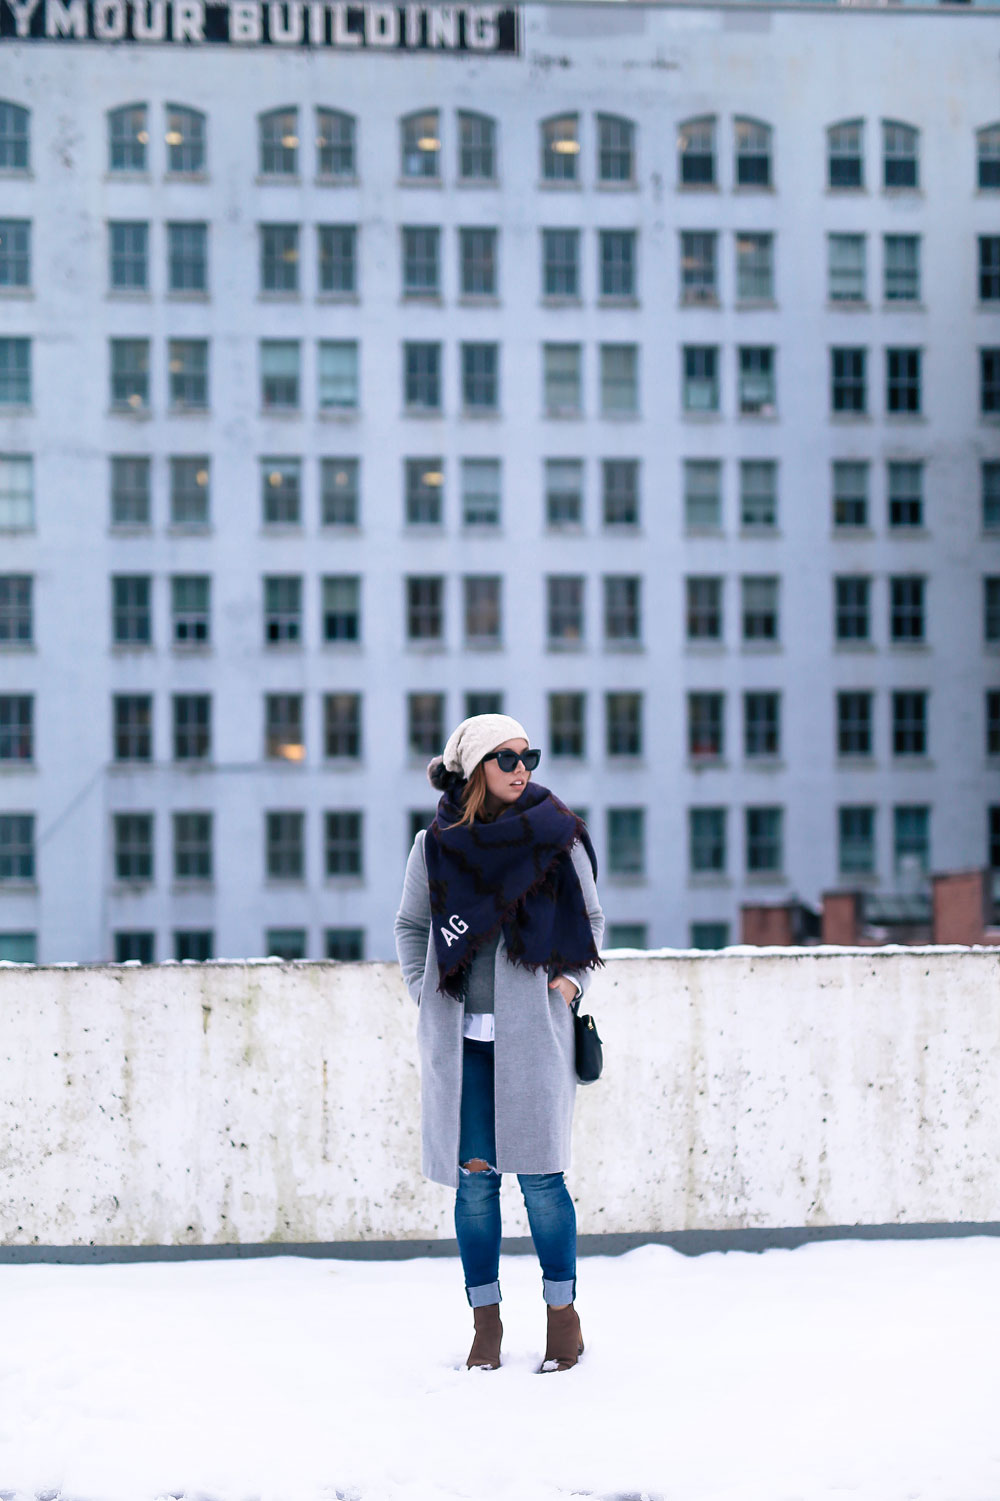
[(960, 906), (764, 925), (841, 917)]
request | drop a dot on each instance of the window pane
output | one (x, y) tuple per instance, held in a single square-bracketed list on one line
[(560, 149), (338, 375), (421, 145), (185, 139), (278, 139), (335, 144)]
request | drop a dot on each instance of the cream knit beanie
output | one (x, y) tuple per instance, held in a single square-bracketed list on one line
[(472, 740)]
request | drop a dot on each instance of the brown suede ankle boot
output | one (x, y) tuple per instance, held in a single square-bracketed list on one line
[(564, 1344), (485, 1350)]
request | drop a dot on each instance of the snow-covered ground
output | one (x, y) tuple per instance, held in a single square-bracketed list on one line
[(850, 1370)]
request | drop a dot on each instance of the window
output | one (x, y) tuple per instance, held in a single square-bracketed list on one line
[(15, 372), (191, 609), (902, 268), (421, 261), (15, 252), (186, 138), (989, 268), (850, 492), (477, 147), (856, 841), (283, 737), (347, 945), (854, 724), (615, 149), (420, 141), (990, 494), (702, 495), (754, 267), (705, 726), (622, 610), (709, 935), (707, 841), (758, 494), (620, 492), (993, 841), (188, 370), (479, 703), (131, 610), (192, 846), (342, 608), (617, 263), (567, 724), (422, 377), (338, 259), (992, 706), (848, 381), (696, 153), (759, 608), (16, 626), (565, 609), (907, 609), (342, 726), (338, 375), (906, 495), (851, 608), (619, 380), (279, 257), (623, 724), (480, 377), (698, 266), (482, 610), (846, 270), (279, 375), (481, 492), (194, 944), (192, 727), (764, 854), (899, 155), (18, 948), (911, 839), (281, 492), (128, 137), (17, 846), (336, 145), (701, 377), (17, 492), (562, 373), (425, 720), (626, 841), (132, 726), (135, 947), (987, 157), (424, 479), (343, 843), (14, 137), (478, 262), (190, 492), (282, 610), (16, 727), (425, 610), (989, 379), (133, 840), (991, 609), (187, 257), (340, 492), (902, 380), (561, 149), (753, 154), (287, 944), (703, 609), (563, 492), (757, 381), (761, 725), (561, 262), (130, 504), (909, 724), (285, 853), (278, 143), (845, 159)]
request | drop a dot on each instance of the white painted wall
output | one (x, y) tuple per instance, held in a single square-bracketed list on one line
[(246, 1103)]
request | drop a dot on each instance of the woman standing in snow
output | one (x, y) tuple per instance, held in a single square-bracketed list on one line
[(498, 930)]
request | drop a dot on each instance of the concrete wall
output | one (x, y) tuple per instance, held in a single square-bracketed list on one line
[(251, 1102)]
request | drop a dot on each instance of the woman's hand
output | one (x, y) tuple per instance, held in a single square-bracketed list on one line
[(565, 987)]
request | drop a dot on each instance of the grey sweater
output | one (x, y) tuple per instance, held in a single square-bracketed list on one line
[(479, 990)]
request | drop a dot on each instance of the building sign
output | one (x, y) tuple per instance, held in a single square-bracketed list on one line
[(373, 27)]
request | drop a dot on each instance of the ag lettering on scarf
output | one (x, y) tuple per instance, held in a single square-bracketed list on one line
[(456, 923)]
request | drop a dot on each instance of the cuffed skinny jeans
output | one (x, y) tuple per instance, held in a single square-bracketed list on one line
[(551, 1215)]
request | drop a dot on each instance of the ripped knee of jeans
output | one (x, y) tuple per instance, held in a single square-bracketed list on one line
[(476, 1165)]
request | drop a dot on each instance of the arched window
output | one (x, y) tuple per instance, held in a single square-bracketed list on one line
[(477, 147), (186, 138), (988, 157), (845, 161), (615, 149), (900, 162), (696, 152), (420, 145), (336, 144), (561, 149), (278, 138), (14, 137), (753, 154), (128, 138)]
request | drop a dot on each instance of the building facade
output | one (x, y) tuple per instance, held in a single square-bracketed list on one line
[(635, 370)]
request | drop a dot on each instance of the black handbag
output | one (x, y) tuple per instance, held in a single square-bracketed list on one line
[(589, 1052)]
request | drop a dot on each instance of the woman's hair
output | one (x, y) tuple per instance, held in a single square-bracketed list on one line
[(473, 791)]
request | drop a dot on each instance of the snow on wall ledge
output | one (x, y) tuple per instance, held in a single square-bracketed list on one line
[(249, 1102)]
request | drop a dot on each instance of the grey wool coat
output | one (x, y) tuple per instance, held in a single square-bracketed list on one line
[(534, 1052)]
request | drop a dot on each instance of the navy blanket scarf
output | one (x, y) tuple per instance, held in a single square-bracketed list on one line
[(515, 873)]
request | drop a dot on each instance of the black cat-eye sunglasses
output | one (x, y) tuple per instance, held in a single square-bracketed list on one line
[(507, 760)]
